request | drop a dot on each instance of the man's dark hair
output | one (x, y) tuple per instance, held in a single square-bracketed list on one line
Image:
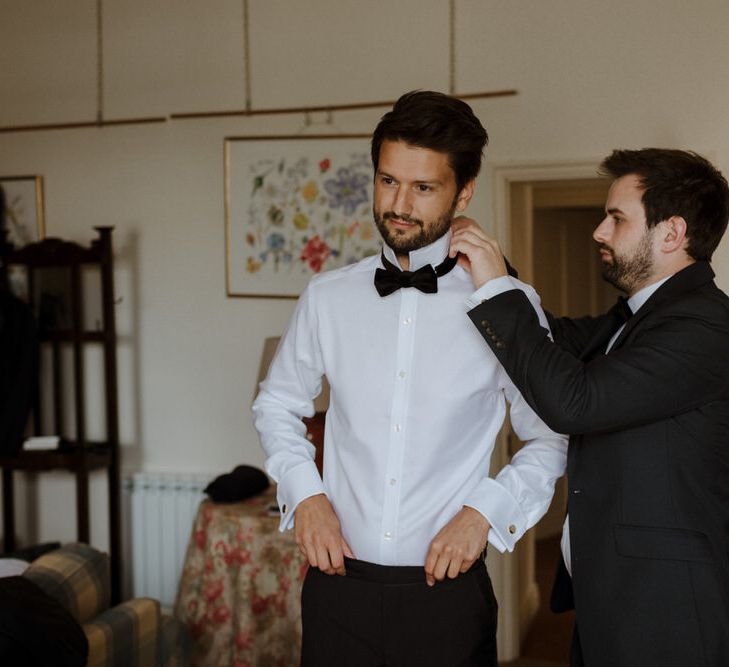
[(436, 121), (678, 183)]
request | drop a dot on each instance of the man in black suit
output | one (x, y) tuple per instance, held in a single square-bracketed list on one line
[(645, 398)]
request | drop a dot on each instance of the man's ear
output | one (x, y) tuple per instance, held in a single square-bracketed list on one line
[(464, 196), (673, 234)]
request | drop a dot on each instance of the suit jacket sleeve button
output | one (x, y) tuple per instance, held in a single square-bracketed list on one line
[(500, 345), (485, 324)]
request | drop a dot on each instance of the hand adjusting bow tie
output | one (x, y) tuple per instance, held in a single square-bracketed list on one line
[(391, 278)]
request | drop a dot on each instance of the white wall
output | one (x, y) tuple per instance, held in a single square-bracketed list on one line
[(591, 76)]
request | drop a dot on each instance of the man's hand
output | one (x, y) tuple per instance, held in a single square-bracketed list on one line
[(319, 535), (457, 546), (481, 255)]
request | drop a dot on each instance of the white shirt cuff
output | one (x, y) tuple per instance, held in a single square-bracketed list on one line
[(491, 289), (300, 483), (564, 544), (508, 522)]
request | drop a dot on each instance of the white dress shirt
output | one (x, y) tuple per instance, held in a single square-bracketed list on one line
[(417, 400)]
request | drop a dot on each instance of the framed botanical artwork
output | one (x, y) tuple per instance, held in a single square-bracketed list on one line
[(21, 209), (21, 214), (295, 206)]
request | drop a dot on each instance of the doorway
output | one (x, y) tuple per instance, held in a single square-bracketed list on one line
[(545, 216)]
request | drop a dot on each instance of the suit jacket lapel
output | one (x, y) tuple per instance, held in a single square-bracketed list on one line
[(609, 325)]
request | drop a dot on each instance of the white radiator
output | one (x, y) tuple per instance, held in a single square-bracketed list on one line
[(162, 507)]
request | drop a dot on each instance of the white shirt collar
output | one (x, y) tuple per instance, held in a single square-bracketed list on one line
[(642, 295), (432, 254)]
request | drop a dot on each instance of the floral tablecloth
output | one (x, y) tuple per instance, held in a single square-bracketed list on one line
[(240, 589)]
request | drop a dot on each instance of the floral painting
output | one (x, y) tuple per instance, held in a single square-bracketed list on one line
[(21, 208), (295, 206)]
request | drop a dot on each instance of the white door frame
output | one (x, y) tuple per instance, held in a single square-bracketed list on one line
[(519, 600), (506, 174)]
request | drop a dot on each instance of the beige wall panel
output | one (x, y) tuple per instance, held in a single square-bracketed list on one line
[(342, 51), (173, 56), (48, 57), (595, 75)]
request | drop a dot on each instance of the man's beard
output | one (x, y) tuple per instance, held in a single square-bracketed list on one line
[(626, 272), (405, 241)]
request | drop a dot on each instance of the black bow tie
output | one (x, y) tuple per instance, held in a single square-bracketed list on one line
[(390, 279)]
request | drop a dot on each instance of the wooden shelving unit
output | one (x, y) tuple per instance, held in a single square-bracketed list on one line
[(78, 455)]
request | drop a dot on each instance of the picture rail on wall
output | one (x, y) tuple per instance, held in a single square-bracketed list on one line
[(295, 206)]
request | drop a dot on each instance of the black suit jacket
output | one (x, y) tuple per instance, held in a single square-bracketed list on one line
[(648, 464)]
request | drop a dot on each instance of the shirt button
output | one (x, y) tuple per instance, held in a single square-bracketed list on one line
[(407, 320), (396, 428), (393, 482), (388, 535), (512, 528), (402, 374)]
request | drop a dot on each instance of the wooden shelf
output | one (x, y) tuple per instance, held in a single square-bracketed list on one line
[(67, 336), (92, 457)]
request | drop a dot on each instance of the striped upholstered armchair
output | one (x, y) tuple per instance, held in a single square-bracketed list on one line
[(133, 633)]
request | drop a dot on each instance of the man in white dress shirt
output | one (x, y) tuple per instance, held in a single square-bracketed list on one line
[(406, 505)]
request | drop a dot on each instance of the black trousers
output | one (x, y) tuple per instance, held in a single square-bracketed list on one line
[(383, 616)]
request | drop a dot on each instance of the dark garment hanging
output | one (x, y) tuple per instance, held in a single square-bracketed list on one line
[(18, 370)]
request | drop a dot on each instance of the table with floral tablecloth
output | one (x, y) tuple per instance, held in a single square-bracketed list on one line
[(240, 589)]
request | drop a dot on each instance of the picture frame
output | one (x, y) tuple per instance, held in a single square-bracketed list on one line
[(22, 215), (22, 209), (295, 205)]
